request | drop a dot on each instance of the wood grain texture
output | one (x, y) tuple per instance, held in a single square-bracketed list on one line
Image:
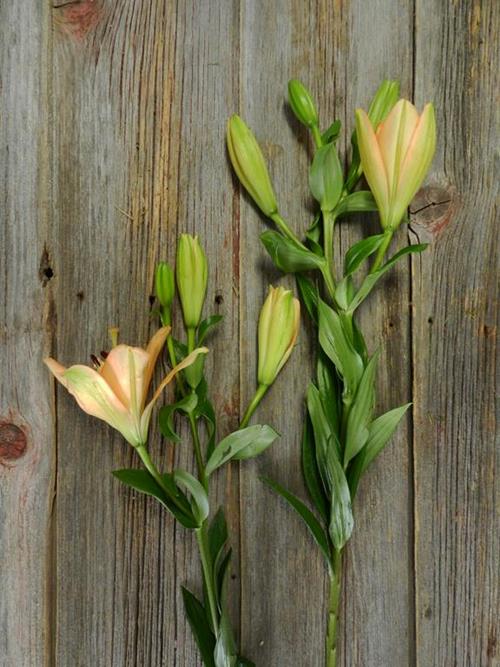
[(27, 420), (455, 296), (112, 135)]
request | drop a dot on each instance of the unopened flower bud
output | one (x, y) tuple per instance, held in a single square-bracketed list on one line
[(302, 104), (278, 330), (165, 288), (249, 165), (191, 272), (396, 157), (383, 101)]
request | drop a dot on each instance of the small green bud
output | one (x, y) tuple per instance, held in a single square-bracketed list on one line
[(249, 165), (278, 330), (191, 272), (302, 103), (325, 177), (383, 101), (165, 287)]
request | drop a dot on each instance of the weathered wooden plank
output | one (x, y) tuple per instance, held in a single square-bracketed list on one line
[(378, 625), (282, 574), (27, 455), (455, 287), (142, 165), (205, 85), (112, 90)]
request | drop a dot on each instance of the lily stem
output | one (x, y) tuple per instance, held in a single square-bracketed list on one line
[(379, 258), (333, 609), (207, 567), (252, 406)]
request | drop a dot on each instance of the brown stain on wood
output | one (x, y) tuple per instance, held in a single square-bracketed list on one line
[(433, 208)]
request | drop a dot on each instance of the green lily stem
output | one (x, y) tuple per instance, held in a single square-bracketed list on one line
[(252, 406), (285, 229), (197, 451), (379, 258), (328, 228), (207, 567), (317, 136), (333, 609), (154, 472)]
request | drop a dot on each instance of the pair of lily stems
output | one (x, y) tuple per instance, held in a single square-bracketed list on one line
[(393, 146)]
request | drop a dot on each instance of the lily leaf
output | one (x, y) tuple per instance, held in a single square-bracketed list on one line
[(200, 626), (311, 473), (361, 412), (380, 432), (332, 133), (357, 253), (309, 295), (372, 278), (243, 444), (166, 417), (361, 201), (206, 326), (199, 499), (338, 347), (306, 515), (288, 255), (341, 519), (175, 502)]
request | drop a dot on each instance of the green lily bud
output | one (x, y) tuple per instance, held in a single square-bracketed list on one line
[(191, 272), (383, 101), (165, 289), (302, 103), (249, 165), (278, 330)]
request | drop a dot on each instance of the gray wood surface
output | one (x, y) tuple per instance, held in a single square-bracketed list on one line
[(112, 129)]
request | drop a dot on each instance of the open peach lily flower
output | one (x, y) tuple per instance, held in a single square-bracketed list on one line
[(116, 390), (395, 158)]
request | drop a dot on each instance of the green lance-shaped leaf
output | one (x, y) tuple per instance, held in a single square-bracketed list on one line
[(200, 626), (199, 499), (308, 293), (207, 325), (311, 472), (361, 201), (175, 501), (243, 444), (338, 347), (205, 410), (371, 279), (326, 178), (306, 515), (341, 519), (329, 390), (380, 432), (287, 255), (225, 654), (361, 412), (332, 133), (360, 251), (166, 417), (326, 441)]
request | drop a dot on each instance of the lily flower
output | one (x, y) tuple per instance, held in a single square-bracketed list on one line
[(116, 390), (395, 158)]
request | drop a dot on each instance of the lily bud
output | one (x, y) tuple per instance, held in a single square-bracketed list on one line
[(383, 101), (278, 331), (165, 289), (302, 104), (396, 157), (249, 165), (191, 272)]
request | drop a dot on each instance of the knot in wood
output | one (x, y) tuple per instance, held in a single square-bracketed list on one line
[(13, 442), (433, 208)]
